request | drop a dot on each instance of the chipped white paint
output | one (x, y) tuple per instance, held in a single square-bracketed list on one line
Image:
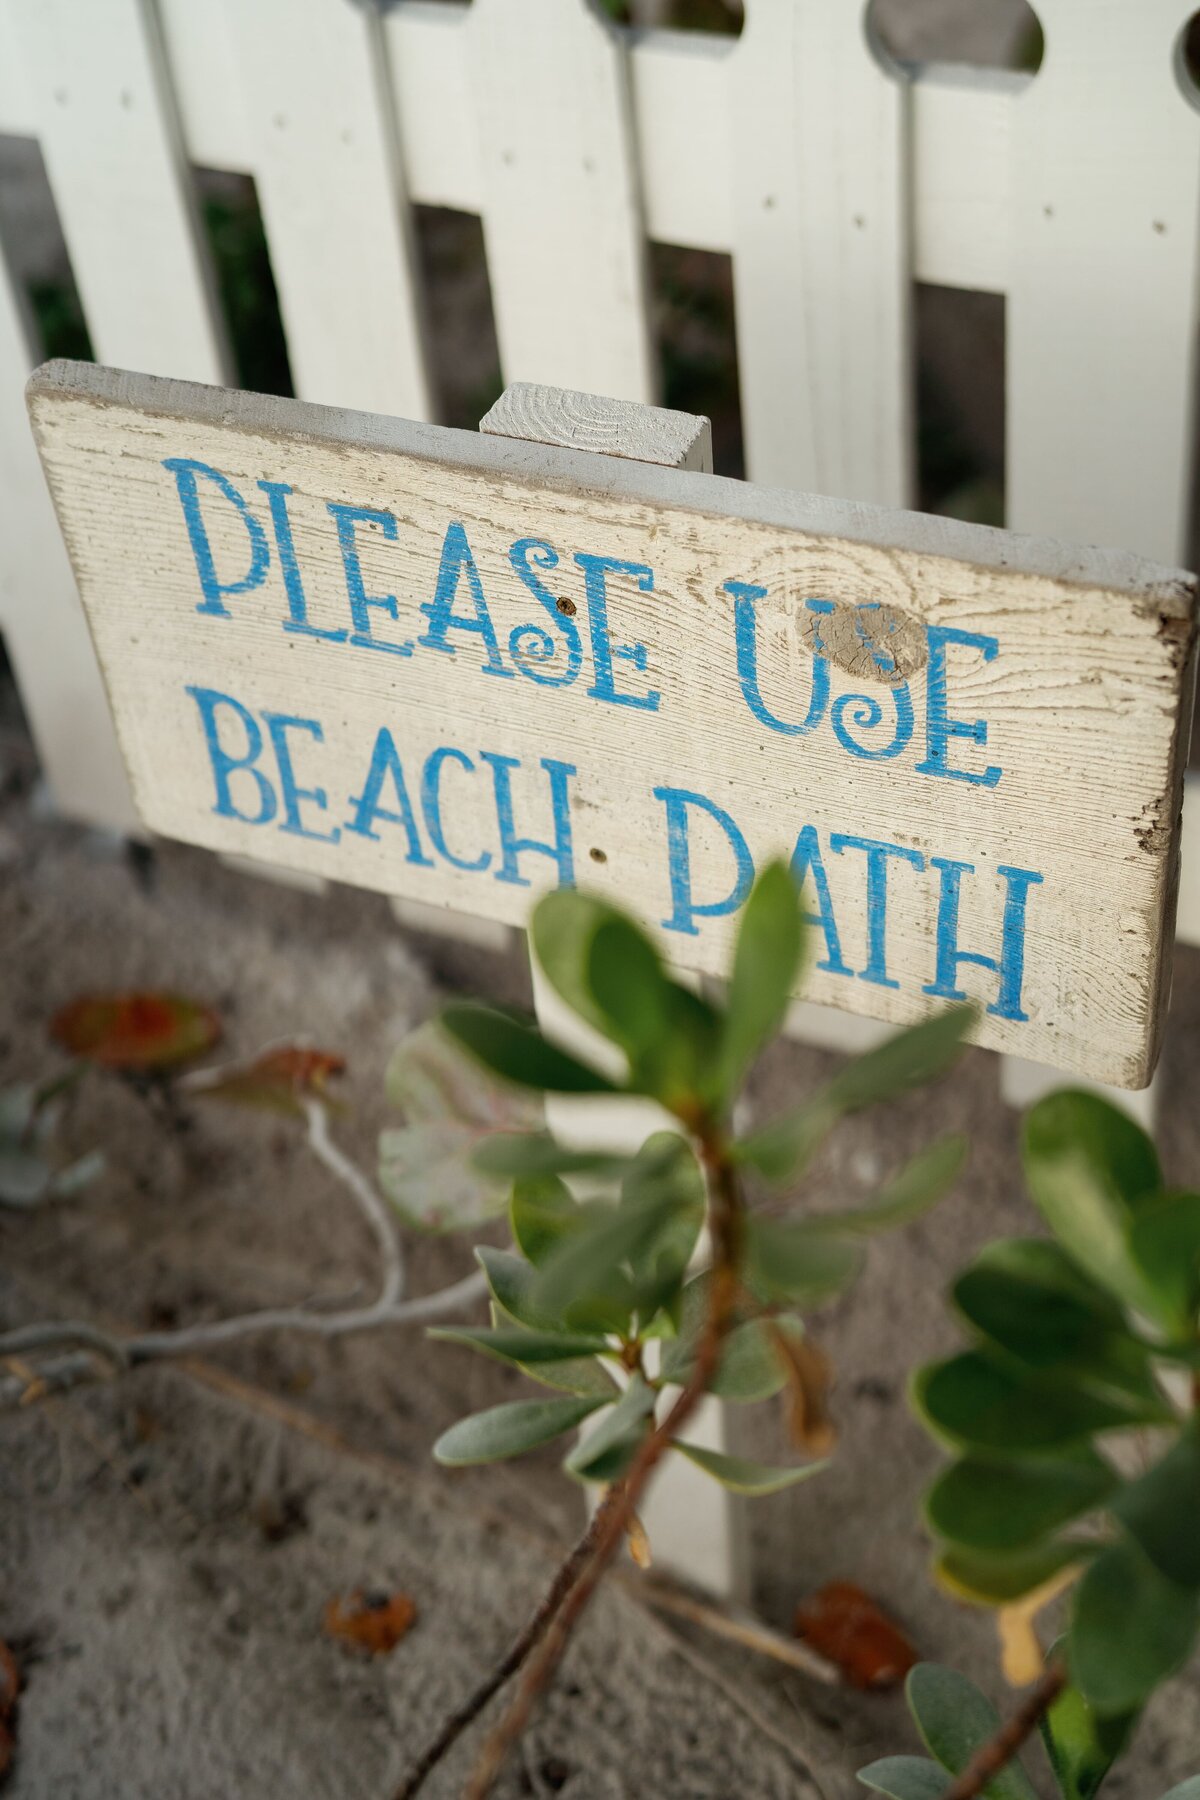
[(1002, 713)]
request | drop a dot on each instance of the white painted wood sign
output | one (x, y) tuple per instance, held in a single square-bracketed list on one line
[(462, 668)]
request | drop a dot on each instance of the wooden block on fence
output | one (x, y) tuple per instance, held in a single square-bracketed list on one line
[(462, 668)]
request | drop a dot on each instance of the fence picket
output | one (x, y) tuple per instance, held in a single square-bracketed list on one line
[(335, 213), (1103, 296), (115, 162), (561, 215), (40, 615), (820, 249)]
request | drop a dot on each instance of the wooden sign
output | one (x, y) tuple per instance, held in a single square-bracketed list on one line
[(462, 669)]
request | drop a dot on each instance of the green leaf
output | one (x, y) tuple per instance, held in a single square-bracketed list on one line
[(1081, 1747), (1130, 1629), (606, 1451), (743, 1477), (750, 1368), (509, 1430), (798, 1259), (1187, 1790), (609, 1237), (980, 1404), (1033, 1300), (904, 1062), (665, 1172), (921, 1183), (511, 1345), (542, 1212), (766, 966), (512, 1281), (781, 1149), (955, 1720), (1089, 1169), (518, 1052), (996, 1580), (537, 1153), (630, 987), (562, 928), (905, 1778), (1164, 1242), (1161, 1511), (429, 1174), (993, 1505)]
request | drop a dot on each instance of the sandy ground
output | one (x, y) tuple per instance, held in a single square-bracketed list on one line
[(138, 1681)]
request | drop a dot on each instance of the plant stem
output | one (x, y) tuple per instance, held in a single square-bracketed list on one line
[(525, 1641), (725, 1224), (998, 1752)]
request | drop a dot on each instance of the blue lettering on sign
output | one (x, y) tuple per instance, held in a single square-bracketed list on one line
[(531, 646), (806, 861), (1010, 965), (877, 853), (347, 518), (225, 764), (939, 728), (297, 619), (386, 765), (511, 846), (456, 562), (279, 724), (596, 570), (431, 806), (745, 631), (685, 910), (186, 470)]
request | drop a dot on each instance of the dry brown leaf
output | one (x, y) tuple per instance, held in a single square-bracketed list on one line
[(852, 1631), (374, 1623), (809, 1379)]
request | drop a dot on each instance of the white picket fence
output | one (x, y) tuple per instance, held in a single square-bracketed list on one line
[(834, 181)]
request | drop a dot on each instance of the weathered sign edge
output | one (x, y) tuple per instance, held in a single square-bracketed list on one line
[(1171, 593)]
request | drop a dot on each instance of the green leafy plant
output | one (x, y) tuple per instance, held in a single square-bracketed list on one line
[(637, 1283), (962, 1731), (1074, 1416)]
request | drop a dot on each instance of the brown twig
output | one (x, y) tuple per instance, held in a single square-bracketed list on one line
[(998, 1752), (725, 1222), (525, 1641)]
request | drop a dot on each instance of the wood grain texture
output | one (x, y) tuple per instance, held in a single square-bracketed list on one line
[(574, 421), (1075, 662)]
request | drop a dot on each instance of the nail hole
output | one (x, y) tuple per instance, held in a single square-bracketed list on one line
[(566, 606)]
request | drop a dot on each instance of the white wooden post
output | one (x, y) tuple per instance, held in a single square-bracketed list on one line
[(689, 1519)]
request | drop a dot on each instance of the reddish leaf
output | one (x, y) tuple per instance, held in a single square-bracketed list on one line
[(10, 1681), (374, 1623), (847, 1628), (136, 1032), (276, 1078)]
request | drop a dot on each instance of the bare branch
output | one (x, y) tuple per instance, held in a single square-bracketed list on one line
[(389, 1308), (521, 1646), (998, 1752), (725, 1224)]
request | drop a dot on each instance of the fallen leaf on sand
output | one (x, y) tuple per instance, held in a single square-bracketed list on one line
[(137, 1032), (371, 1622), (278, 1079), (848, 1628)]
